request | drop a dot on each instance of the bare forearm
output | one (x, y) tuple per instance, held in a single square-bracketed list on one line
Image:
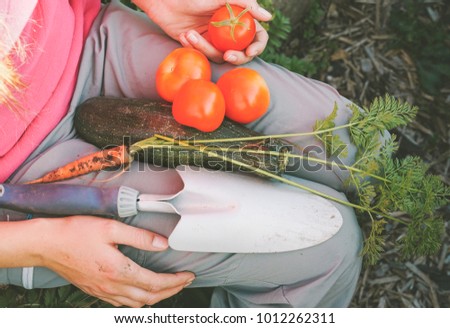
[(21, 242)]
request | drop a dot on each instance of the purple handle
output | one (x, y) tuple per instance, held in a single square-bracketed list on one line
[(60, 199)]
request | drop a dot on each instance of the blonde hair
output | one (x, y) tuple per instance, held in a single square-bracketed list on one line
[(11, 83)]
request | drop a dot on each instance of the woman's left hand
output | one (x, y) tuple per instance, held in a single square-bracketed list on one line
[(187, 22)]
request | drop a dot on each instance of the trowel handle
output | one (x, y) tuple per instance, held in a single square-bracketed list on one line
[(66, 199)]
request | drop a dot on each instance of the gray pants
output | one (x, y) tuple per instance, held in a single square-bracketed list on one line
[(120, 58)]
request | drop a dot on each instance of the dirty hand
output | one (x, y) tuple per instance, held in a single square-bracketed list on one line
[(83, 250), (187, 21)]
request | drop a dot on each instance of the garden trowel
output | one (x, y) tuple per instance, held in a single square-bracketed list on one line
[(219, 211)]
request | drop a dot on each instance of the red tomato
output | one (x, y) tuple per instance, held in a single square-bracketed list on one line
[(247, 96), (199, 104), (231, 28), (180, 66)]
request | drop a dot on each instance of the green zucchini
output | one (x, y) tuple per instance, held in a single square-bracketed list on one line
[(109, 121)]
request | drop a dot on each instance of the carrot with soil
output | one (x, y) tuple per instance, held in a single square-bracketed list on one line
[(94, 162)]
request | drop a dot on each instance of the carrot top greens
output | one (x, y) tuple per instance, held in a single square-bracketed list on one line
[(384, 185)]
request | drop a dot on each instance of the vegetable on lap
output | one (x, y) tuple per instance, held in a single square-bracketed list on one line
[(202, 128), (180, 66), (382, 184), (241, 94)]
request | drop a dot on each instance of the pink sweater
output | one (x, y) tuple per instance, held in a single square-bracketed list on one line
[(54, 32)]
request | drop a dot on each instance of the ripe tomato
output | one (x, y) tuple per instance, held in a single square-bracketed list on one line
[(177, 68), (247, 96), (231, 28), (199, 104)]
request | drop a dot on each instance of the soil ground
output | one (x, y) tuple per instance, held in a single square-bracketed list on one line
[(376, 47)]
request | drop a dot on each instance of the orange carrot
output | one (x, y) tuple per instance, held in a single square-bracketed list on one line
[(100, 160)]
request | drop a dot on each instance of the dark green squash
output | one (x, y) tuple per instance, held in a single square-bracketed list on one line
[(108, 121)]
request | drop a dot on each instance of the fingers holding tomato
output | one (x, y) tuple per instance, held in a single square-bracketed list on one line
[(232, 35), (193, 39)]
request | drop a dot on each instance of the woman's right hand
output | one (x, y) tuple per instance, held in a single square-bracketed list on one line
[(187, 22), (84, 251)]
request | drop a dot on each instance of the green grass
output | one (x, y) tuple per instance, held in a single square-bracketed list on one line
[(71, 297)]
